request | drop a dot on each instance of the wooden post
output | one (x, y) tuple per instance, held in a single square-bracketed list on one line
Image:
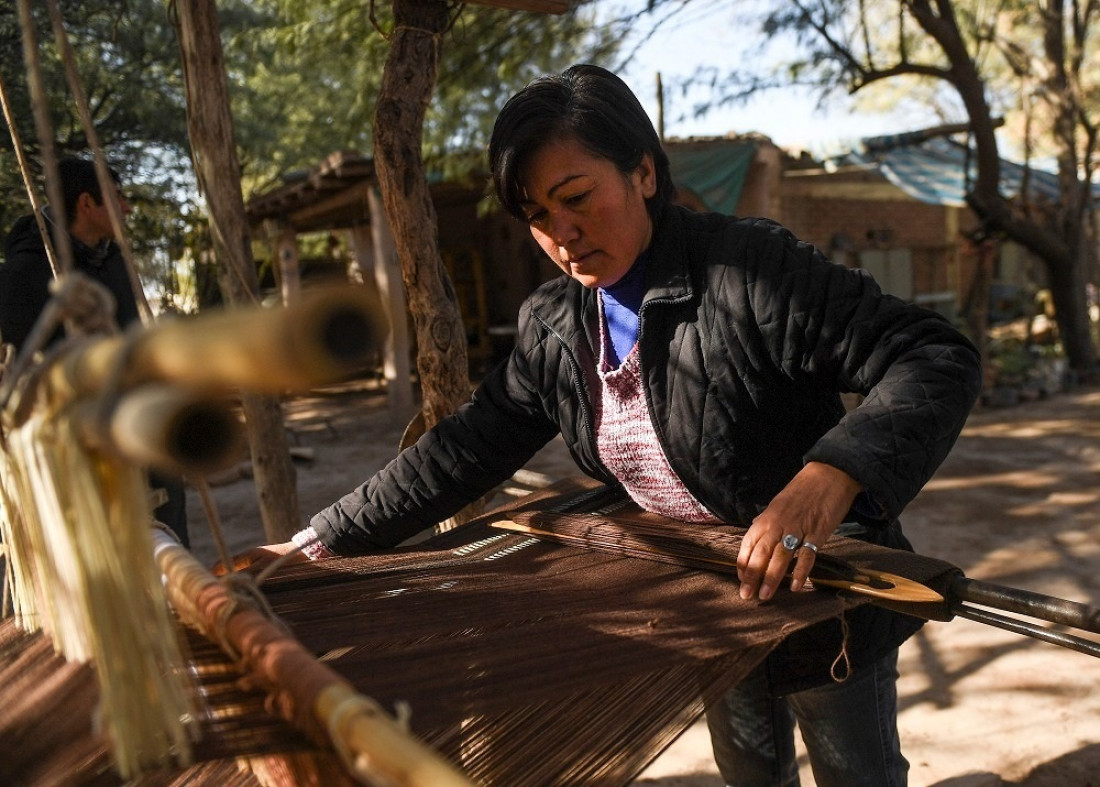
[(660, 108), (361, 266), (387, 274), (290, 276), (210, 125)]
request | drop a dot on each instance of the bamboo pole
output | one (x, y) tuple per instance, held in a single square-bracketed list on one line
[(107, 186), (40, 109), (374, 747), (166, 428), (28, 179), (321, 340)]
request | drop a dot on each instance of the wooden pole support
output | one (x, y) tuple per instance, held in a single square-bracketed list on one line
[(376, 748)]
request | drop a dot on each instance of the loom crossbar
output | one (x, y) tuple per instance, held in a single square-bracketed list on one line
[(603, 519), (966, 598)]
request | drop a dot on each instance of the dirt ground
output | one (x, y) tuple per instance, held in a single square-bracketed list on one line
[(1017, 503)]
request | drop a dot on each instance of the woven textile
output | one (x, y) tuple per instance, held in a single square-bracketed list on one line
[(524, 662)]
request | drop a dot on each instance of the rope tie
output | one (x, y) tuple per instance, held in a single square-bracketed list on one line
[(213, 519), (345, 712), (842, 657), (87, 306), (246, 589), (283, 559), (242, 587), (221, 621)]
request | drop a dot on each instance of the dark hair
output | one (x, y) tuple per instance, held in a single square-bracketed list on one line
[(78, 177), (584, 102)]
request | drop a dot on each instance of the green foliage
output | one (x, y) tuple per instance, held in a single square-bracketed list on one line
[(303, 76), (306, 77), (128, 61)]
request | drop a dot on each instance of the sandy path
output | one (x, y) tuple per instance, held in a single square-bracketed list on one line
[(1016, 503)]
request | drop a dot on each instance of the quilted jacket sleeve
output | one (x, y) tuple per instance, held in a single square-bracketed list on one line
[(827, 324), (461, 458), (24, 282)]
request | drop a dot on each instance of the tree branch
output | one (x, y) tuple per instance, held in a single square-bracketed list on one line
[(917, 69)]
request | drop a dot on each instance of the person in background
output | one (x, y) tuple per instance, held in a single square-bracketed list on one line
[(697, 361), (25, 278)]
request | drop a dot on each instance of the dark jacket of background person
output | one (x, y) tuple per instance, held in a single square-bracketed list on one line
[(746, 335), (25, 278)]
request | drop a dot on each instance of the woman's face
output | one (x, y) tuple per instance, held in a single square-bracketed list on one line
[(589, 217)]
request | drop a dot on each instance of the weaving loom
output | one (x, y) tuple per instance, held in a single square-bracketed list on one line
[(523, 662)]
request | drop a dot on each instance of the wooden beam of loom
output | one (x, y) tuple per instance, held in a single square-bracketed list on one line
[(160, 426), (371, 743), (630, 537)]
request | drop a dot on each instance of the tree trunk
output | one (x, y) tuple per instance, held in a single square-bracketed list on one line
[(1058, 249), (1068, 279), (408, 80), (210, 124), (1068, 292), (977, 296)]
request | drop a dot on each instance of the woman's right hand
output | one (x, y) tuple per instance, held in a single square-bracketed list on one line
[(258, 558)]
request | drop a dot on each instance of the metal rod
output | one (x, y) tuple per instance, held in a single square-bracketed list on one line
[(1078, 644), (1025, 602)]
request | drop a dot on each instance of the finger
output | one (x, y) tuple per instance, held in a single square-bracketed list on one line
[(239, 562), (245, 560), (743, 553), (752, 562), (776, 570), (804, 562)]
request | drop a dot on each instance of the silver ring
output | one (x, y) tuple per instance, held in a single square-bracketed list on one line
[(809, 546), (791, 542)]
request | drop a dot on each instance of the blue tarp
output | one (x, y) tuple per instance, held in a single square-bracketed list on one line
[(939, 170), (714, 170)]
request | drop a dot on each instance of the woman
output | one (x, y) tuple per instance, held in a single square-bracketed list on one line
[(697, 360)]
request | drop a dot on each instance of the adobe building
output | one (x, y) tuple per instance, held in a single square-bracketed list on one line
[(896, 211), (492, 259), (895, 206)]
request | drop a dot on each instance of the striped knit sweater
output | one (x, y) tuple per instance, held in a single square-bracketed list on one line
[(626, 441), (628, 444)]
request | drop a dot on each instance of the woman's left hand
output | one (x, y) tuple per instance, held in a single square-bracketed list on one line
[(258, 558), (806, 511)]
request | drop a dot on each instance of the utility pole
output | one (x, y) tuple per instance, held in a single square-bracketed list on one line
[(660, 108)]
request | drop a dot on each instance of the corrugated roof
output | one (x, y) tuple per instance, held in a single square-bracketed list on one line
[(939, 170)]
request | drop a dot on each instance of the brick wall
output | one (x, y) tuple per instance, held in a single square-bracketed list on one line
[(845, 214)]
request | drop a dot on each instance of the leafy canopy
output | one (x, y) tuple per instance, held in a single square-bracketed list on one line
[(303, 76)]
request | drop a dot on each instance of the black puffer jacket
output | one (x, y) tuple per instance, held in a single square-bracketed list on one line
[(747, 337)]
